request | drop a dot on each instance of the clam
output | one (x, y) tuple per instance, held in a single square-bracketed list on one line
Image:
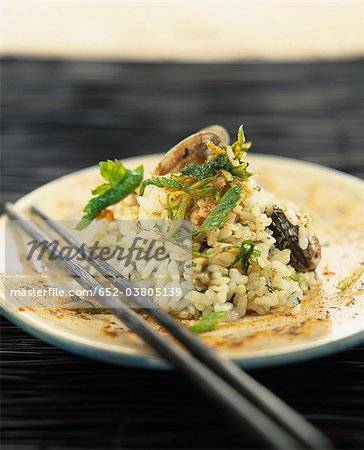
[(193, 149)]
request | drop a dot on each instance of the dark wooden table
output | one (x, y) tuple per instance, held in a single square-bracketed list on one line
[(59, 116)]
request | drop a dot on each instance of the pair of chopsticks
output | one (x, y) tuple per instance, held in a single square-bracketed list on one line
[(264, 414)]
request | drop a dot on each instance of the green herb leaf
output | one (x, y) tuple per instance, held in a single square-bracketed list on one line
[(178, 216), (182, 207), (208, 322), (170, 183), (113, 171), (167, 183), (202, 171), (245, 254), (140, 170), (241, 146), (218, 216), (241, 135), (202, 192), (177, 212), (101, 189), (122, 183), (241, 172)]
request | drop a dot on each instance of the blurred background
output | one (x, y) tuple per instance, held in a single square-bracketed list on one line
[(83, 81), (184, 30)]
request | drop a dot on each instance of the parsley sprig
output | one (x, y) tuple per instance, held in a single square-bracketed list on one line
[(120, 183)]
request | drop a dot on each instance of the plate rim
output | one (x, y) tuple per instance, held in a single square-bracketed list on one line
[(147, 362), (263, 156)]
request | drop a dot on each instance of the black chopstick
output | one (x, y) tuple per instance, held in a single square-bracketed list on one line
[(275, 408), (206, 379)]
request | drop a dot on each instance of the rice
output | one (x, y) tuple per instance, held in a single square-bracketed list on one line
[(267, 286), (237, 261)]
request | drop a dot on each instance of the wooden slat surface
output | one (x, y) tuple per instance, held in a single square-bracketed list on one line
[(59, 116)]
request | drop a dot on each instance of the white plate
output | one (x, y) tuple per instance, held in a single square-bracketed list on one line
[(330, 319)]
